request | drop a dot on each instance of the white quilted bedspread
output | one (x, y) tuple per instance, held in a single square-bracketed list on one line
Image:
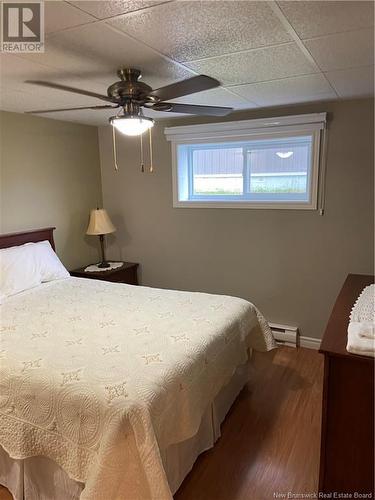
[(100, 376)]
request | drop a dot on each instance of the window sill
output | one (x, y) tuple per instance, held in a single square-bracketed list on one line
[(244, 205)]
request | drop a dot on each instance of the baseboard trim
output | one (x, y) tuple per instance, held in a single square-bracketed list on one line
[(309, 342), (289, 336)]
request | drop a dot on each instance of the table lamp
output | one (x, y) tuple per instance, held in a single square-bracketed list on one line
[(100, 224)]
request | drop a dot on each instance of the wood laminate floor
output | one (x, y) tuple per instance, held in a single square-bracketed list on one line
[(270, 440), (271, 437)]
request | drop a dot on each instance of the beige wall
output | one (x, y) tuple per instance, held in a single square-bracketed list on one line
[(50, 176), (291, 264)]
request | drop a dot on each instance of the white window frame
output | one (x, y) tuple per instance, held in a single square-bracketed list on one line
[(247, 130)]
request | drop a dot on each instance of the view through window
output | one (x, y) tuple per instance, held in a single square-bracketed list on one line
[(262, 170)]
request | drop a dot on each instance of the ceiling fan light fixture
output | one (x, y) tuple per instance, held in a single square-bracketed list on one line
[(131, 125)]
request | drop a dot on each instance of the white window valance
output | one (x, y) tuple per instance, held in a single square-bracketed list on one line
[(246, 128)]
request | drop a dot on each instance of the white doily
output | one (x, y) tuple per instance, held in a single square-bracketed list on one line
[(364, 307), (94, 268)]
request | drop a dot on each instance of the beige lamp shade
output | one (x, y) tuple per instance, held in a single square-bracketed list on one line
[(100, 223)]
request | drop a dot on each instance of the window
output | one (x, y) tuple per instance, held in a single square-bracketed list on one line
[(246, 165)]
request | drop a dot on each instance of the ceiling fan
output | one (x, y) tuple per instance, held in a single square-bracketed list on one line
[(131, 95)]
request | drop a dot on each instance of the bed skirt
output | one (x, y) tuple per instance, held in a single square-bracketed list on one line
[(41, 478)]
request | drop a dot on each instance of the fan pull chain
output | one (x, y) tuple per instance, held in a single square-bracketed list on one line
[(151, 155), (114, 148), (142, 159)]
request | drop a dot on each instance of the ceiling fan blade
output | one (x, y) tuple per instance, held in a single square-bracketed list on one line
[(57, 86), (185, 87), (39, 111), (191, 109)]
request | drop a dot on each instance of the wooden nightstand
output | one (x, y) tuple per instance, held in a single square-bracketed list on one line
[(127, 273)]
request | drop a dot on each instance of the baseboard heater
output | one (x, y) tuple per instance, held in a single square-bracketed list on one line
[(284, 334)]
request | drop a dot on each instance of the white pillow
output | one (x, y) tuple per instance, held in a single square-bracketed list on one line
[(51, 266), (26, 266)]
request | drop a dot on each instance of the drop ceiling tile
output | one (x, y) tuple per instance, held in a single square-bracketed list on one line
[(343, 50), (95, 52), (13, 100), (20, 101), (188, 30), (15, 70), (287, 91), (354, 82), (60, 15), (256, 65), (105, 9), (314, 18)]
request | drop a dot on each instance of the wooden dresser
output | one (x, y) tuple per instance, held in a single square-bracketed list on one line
[(347, 440)]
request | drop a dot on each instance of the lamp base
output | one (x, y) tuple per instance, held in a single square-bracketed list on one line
[(104, 265)]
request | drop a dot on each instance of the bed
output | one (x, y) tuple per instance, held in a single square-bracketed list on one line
[(110, 390)]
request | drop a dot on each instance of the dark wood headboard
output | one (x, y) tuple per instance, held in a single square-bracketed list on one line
[(33, 236)]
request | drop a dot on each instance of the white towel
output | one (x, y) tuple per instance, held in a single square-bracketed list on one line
[(358, 344)]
